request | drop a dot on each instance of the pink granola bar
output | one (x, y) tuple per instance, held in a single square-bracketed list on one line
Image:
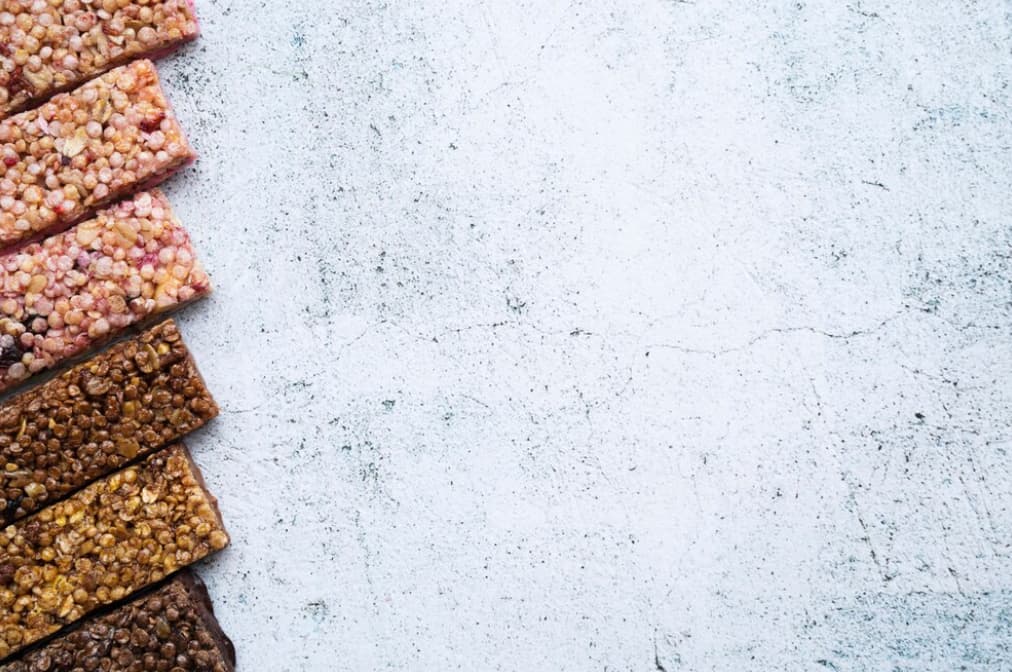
[(84, 150), (66, 294), (49, 46)]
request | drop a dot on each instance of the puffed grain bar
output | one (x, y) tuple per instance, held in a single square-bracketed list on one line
[(70, 292), (49, 46), (84, 150), (134, 398), (103, 544), (171, 628)]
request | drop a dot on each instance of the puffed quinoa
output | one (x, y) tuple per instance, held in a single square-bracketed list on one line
[(172, 628), (76, 289), (84, 150), (134, 398), (54, 45), (104, 543)]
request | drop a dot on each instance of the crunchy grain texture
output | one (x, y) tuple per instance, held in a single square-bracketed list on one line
[(85, 149), (74, 290), (50, 46), (102, 544), (127, 402), (172, 628)]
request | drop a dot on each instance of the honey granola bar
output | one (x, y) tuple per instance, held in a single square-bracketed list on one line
[(103, 544), (84, 150), (138, 396), (171, 628), (62, 296), (49, 46)]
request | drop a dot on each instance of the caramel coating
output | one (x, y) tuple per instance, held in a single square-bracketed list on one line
[(130, 400), (172, 628), (102, 544), (52, 45), (85, 149)]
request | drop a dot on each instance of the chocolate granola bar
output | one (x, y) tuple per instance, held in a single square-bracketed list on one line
[(138, 396), (171, 628)]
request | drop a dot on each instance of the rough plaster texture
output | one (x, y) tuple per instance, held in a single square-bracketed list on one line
[(606, 334)]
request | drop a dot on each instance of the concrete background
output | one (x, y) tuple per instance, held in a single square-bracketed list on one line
[(606, 334)]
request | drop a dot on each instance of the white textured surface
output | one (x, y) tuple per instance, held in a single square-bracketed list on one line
[(608, 334)]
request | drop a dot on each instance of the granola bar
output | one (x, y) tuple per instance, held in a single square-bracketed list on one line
[(70, 292), (171, 628), (84, 150), (49, 46), (138, 396), (103, 544)]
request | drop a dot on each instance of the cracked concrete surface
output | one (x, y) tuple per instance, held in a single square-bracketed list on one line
[(606, 334)]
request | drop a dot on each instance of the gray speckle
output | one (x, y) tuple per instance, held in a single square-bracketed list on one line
[(696, 317)]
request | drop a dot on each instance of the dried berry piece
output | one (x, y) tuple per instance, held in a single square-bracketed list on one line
[(152, 122), (17, 85), (10, 351)]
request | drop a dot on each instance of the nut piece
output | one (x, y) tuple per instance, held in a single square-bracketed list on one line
[(103, 544), (173, 628), (84, 150), (76, 289), (53, 46)]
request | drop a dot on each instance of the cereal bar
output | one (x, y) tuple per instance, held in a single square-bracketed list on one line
[(48, 46), (103, 544), (85, 149), (126, 402), (61, 296), (171, 628)]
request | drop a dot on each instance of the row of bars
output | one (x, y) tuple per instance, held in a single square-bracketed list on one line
[(103, 507)]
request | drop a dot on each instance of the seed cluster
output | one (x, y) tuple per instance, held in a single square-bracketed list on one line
[(172, 629), (102, 544), (73, 290), (136, 397), (85, 149), (48, 46)]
